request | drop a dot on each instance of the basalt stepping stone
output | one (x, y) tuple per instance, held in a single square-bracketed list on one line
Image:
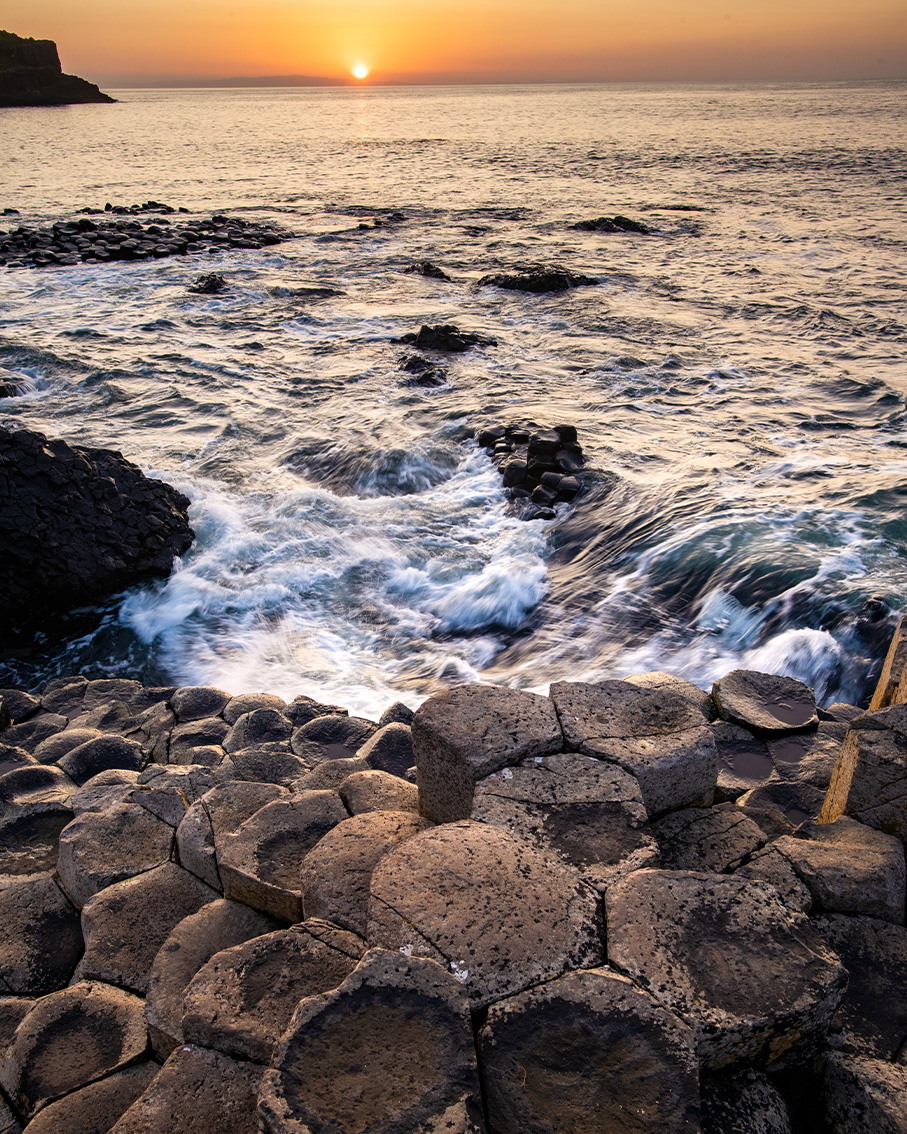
[(707, 838), (196, 1092), (197, 734), (332, 737), (95, 1108), (21, 705), (51, 750), (219, 813), (589, 812), (8, 1121), (390, 1050), (337, 872), (194, 702), (103, 790), (765, 702), (169, 792), (113, 716), (241, 1001), (105, 690), (40, 935), (743, 760), (207, 755), (771, 866), (102, 754), (269, 764), (330, 774), (40, 783), (13, 1010), (398, 713), (864, 1096), (260, 726), (466, 733), (378, 791), (126, 924), (390, 749), (30, 733), (779, 805), (659, 737), (248, 703), (152, 729), (260, 864), (850, 868), (192, 943), (29, 839), (303, 709), (510, 916), (808, 757), (12, 758), (746, 1102), (872, 1019), (99, 848), (70, 1039), (578, 1053), (749, 975), (64, 696), (657, 682)]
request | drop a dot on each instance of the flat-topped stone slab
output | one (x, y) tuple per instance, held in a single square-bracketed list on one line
[(765, 702), (32, 732), (850, 868), (103, 790), (464, 734), (40, 935), (743, 760), (265, 763), (30, 837), (190, 945), (126, 924), (659, 737), (95, 1108), (196, 734), (337, 872), (69, 1039), (259, 726), (196, 1092), (771, 866), (260, 864), (378, 791), (331, 737), (660, 682), (248, 703), (707, 838), (510, 916), (99, 848), (330, 774), (589, 812), (751, 977), (863, 1095), (169, 792), (390, 1050), (240, 1002), (38, 783), (578, 1053), (195, 702), (100, 754)]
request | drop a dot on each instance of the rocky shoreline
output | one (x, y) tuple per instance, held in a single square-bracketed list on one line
[(611, 908), (31, 75)]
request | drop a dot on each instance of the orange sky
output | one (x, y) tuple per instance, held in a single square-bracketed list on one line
[(112, 41)]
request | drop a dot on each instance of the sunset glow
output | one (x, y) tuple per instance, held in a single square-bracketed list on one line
[(360, 71)]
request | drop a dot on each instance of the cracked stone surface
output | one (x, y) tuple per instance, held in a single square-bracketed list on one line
[(707, 838), (30, 839), (751, 977), (464, 734), (771, 866), (511, 915), (864, 1096), (765, 702), (390, 1050), (659, 737), (589, 812), (578, 1054), (240, 1002), (40, 935), (95, 1108)]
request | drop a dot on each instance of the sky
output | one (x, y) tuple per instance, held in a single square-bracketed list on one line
[(113, 42)]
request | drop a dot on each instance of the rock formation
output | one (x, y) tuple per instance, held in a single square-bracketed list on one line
[(31, 75)]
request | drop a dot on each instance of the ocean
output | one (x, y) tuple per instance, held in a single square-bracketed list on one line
[(737, 380)]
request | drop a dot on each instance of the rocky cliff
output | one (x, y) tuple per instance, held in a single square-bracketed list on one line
[(31, 75)]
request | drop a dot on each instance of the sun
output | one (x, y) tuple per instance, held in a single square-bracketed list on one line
[(360, 71)]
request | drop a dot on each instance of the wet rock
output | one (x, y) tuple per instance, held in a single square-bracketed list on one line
[(772, 867), (537, 278), (40, 935), (126, 924), (196, 1092), (303, 709), (872, 1018), (192, 943), (578, 1053), (445, 337), (241, 1001), (31, 733), (390, 749), (716, 839), (331, 737), (597, 224), (70, 1039), (336, 873), (100, 848), (743, 761), (746, 1102), (195, 702), (399, 1028), (864, 1096), (850, 868), (261, 726), (511, 916), (101, 754), (330, 774), (95, 1108), (210, 283), (764, 702), (29, 839), (248, 703), (428, 269), (464, 734), (260, 864), (378, 791), (79, 523), (397, 713), (779, 807), (690, 938), (588, 812), (658, 737)]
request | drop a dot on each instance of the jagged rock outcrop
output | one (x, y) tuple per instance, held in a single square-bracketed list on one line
[(31, 75), (78, 523)]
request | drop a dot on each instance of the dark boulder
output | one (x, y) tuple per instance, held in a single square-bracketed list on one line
[(445, 337), (78, 523), (209, 284), (428, 269), (537, 278)]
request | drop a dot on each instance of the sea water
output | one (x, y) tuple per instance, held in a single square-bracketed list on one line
[(737, 379)]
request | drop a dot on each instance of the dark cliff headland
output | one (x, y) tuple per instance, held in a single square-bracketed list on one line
[(31, 75)]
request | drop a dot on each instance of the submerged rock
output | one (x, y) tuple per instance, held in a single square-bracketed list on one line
[(538, 278), (445, 337), (212, 283), (539, 465)]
